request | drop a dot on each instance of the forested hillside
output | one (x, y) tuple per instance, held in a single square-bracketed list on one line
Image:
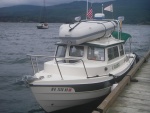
[(134, 11)]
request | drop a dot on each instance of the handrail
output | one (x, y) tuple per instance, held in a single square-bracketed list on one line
[(82, 63), (36, 63), (58, 68), (33, 67)]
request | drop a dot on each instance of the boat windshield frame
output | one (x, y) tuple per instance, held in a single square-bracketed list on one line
[(61, 51), (96, 53), (76, 51)]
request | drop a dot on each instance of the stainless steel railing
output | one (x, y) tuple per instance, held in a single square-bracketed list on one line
[(35, 65)]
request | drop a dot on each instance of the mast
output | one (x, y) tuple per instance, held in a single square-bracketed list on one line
[(87, 9), (44, 12), (102, 8)]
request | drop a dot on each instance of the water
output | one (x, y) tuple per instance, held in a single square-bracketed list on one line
[(19, 39)]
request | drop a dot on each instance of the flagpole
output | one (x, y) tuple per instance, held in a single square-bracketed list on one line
[(87, 9), (112, 12), (112, 15), (102, 8)]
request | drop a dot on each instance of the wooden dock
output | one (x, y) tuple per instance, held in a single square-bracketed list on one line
[(132, 95)]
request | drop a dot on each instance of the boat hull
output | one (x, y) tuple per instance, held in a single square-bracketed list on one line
[(56, 101)]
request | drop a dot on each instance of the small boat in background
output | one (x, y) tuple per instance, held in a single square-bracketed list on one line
[(43, 24)]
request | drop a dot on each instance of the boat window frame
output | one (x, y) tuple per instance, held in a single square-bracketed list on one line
[(112, 51), (76, 53), (95, 56), (121, 50), (64, 54)]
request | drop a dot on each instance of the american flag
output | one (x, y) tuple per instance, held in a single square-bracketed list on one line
[(90, 13)]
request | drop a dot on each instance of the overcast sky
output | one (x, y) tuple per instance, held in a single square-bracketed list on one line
[(6, 3)]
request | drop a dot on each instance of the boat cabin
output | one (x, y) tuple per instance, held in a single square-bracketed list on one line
[(104, 49), (87, 52), (90, 59)]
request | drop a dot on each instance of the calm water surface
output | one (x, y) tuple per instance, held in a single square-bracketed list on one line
[(19, 39)]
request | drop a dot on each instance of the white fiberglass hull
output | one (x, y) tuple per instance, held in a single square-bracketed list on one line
[(55, 101)]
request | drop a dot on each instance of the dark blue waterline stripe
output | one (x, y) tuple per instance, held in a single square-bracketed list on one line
[(82, 87)]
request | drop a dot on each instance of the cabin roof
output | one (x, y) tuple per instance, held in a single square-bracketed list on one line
[(101, 42), (105, 42)]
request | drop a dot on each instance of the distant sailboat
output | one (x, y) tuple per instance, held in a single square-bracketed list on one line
[(43, 24)]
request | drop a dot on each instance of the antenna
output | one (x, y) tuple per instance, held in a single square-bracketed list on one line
[(102, 8), (87, 9)]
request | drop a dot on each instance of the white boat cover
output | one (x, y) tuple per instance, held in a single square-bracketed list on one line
[(85, 31)]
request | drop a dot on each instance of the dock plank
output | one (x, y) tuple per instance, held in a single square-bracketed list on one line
[(126, 110), (138, 87), (143, 71), (138, 92), (136, 96), (143, 79), (131, 104), (146, 102), (144, 75)]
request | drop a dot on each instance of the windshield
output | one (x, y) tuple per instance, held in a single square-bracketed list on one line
[(113, 52), (61, 51), (76, 51), (96, 53)]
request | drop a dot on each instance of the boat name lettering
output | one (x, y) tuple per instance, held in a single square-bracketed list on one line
[(116, 66), (61, 89)]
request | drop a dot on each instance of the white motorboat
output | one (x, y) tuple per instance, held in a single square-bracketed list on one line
[(87, 62)]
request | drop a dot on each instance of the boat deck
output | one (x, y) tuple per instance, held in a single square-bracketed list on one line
[(133, 98)]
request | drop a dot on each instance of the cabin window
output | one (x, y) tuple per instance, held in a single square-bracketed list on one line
[(121, 50), (61, 51), (113, 52), (76, 51), (96, 53)]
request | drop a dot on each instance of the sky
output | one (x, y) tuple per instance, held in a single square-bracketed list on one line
[(7, 3)]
